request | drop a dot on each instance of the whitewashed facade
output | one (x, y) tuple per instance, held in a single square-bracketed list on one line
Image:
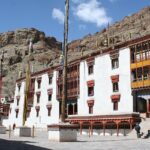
[(110, 96)]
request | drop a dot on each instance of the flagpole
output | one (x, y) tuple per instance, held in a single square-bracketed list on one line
[(27, 86), (65, 50)]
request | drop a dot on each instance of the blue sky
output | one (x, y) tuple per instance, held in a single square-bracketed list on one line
[(86, 16)]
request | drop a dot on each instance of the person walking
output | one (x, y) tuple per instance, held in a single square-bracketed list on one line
[(137, 129)]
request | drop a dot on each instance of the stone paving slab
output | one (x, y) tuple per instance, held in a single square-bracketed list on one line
[(40, 142)]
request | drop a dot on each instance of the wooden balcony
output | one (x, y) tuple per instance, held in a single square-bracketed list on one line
[(140, 64), (140, 84)]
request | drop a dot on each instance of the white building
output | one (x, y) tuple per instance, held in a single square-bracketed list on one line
[(105, 90)]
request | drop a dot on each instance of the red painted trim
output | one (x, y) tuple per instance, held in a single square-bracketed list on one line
[(18, 97), (50, 91), (39, 78), (90, 102), (38, 93), (19, 84), (17, 110), (49, 106), (115, 78), (90, 83), (115, 97), (37, 107)]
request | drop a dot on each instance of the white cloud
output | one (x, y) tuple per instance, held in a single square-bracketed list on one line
[(92, 11), (58, 15)]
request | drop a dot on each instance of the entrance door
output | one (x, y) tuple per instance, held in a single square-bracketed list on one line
[(141, 105)]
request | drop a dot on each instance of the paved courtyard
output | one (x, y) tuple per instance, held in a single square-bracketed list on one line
[(40, 142)]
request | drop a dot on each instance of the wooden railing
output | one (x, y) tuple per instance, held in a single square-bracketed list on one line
[(140, 64), (140, 84)]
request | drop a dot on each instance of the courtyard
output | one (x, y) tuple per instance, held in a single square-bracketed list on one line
[(41, 142)]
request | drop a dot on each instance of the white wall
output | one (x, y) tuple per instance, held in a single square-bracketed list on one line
[(12, 115), (103, 85), (43, 120), (102, 92)]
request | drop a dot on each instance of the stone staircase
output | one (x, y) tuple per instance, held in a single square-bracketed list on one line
[(145, 126)]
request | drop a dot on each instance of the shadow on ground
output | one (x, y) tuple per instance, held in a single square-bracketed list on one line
[(18, 145)]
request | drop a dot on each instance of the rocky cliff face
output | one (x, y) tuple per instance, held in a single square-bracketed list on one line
[(131, 27), (15, 45), (46, 50)]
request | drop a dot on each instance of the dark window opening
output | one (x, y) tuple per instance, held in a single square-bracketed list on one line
[(49, 97), (115, 63), (60, 73), (37, 113), (90, 91), (19, 87), (17, 102), (139, 74), (115, 105), (39, 84), (90, 69), (50, 79), (90, 109), (49, 112), (115, 87), (38, 98), (16, 114)]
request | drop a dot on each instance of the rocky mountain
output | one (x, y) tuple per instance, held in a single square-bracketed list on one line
[(15, 46), (47, 50)]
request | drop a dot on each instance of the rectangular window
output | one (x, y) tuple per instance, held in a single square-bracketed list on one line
[(38, 98), (16, 114), (90, 69), (37, 113), (39, 84), (19, 87), (49, 112), (139, 74), (115, 105), (17, 102), (90, 109), (49, 97), (91, 91), (115, 63), (50, 79), (60, 73), (115, 87)]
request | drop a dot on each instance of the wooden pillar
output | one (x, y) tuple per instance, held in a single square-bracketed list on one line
[(81, 123), (104, 126), (67, 109), (148, 107), (131, 122), (73, 108), (91, 128), (117, 123)]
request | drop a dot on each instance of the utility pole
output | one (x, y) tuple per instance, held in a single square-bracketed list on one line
[(1, 76), (65, 50)]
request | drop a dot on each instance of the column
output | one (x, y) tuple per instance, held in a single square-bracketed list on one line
[(91, 128), (81, 123), (117, 123), (148, 108), (67, 109), (104, 126), (73, 108)]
